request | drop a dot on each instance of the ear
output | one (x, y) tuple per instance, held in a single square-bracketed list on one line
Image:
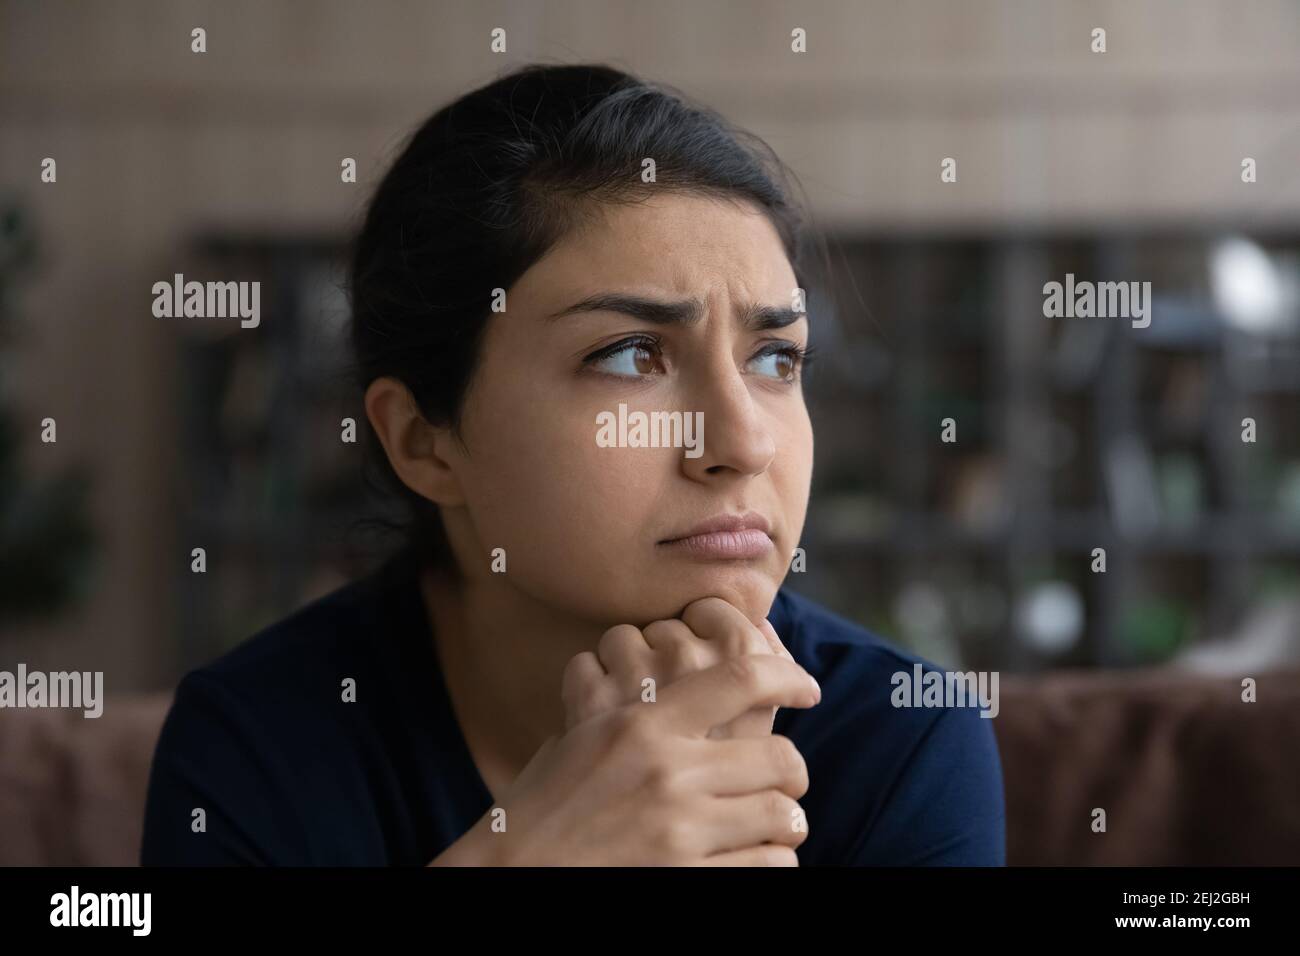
[(422, 455)]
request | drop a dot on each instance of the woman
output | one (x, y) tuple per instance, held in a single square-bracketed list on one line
[(579, 657)]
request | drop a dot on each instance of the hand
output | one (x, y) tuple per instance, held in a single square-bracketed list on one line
[(709, 632), (643, 784)]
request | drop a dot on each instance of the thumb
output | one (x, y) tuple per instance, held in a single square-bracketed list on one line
[(778, 646)]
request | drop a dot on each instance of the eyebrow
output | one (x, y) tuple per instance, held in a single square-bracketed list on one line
[(684, 312)]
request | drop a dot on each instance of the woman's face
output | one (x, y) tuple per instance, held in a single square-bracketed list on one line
[(584, 526)]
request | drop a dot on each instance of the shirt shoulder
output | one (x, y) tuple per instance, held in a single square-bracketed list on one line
[(275, 737), (890, 782), (285, 662)]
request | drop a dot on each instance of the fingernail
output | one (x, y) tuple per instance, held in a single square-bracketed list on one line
[(817, 688)]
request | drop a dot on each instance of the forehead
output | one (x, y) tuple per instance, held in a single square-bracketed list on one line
[(670, 243)]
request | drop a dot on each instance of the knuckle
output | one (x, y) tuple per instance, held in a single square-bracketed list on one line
[(579, 677), (614, 637), (757, 641), (578, 709), (777, 805), (630, 725), (744, 671), (675, 837), (754, 644), (599, 701), (686, 656), (788, 760), (677, 643), (659, 780), (735, 642), (710, 603), (586, 700), (664, 630), (702, 614)]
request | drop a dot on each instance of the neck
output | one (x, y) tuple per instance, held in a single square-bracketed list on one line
[(503, 655)]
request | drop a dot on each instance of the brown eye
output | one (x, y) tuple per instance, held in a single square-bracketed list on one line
[(629, 359), (785, 364), (645, 361), (781, 363)]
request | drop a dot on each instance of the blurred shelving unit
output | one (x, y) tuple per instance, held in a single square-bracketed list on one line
[(272, 493), (1071, 434)]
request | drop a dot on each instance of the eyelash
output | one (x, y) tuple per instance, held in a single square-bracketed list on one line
[(802, 354)]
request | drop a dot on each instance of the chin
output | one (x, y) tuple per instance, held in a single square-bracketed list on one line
[(750, 589)]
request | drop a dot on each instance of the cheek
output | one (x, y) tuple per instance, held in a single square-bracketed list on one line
[(792, 473), (567, 511)]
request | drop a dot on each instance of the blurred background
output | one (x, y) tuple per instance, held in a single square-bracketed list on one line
[(1072, 433)]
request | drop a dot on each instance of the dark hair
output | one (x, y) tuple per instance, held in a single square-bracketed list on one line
[(487, 185)]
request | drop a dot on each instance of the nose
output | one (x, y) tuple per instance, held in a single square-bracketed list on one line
[(736, 438)]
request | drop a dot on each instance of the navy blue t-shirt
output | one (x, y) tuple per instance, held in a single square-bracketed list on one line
[(289, 773)]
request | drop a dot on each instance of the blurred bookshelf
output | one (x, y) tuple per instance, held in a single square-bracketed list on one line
[(273, 494), (1072, 434)]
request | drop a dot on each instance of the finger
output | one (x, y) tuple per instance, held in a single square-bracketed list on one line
[(755, 723), (697, 702), (583, 669), (678, 648), (734, 823), (585, 689), (719, 621), (765, 854), (774, 639), (623, 652), (729, 768)]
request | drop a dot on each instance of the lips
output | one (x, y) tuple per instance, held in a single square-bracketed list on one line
[(748, 521), (725, 537)]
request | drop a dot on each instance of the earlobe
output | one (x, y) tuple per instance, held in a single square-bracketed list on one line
[(414, 448)]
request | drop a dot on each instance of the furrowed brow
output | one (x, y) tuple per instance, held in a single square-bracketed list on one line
[(688, 312), (760, 318), (650, 310)]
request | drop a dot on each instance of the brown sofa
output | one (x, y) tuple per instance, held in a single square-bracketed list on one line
[(1186, 772)]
